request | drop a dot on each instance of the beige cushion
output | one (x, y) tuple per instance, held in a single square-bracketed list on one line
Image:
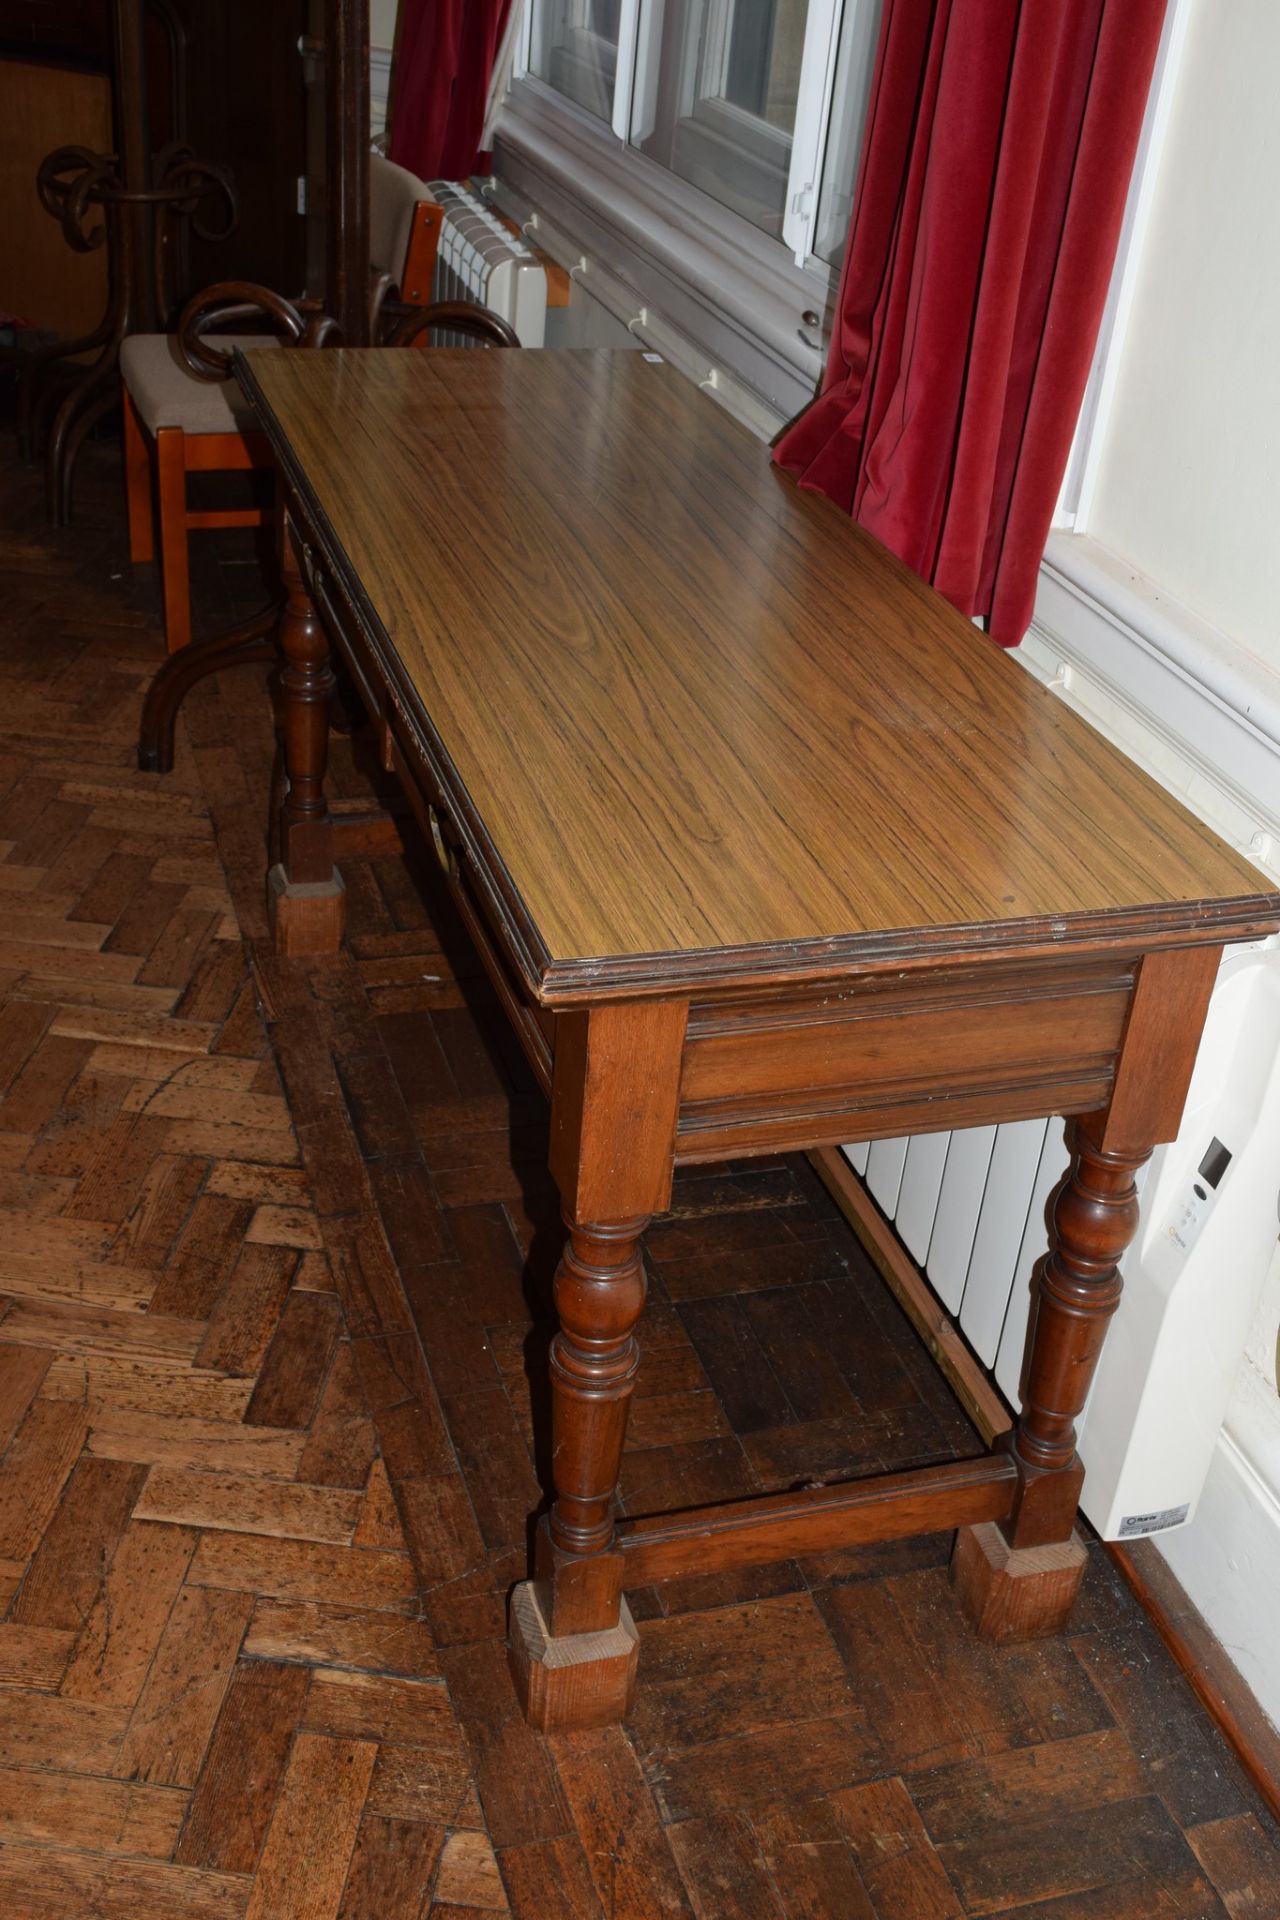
[(166, 393), (394, 192)]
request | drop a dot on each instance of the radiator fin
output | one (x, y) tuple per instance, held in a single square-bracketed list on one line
[(1001, 1226), (921, 1185), (1035, 1241), (964, 1185), (884, 1172), (971, 1208)]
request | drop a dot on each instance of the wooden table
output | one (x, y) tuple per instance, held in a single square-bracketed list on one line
[(764, 847)]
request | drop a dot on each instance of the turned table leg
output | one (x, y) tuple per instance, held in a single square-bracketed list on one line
[(614, 1100), (304, 889), (574, 1646), (1018, 1577)]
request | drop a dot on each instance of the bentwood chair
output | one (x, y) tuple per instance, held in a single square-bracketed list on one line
[(176, 423), (205, 354)]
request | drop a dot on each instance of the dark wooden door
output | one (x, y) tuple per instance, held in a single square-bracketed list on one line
[(246, 110)]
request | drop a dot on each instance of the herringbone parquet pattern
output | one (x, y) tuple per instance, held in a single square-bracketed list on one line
[(254, 1544)]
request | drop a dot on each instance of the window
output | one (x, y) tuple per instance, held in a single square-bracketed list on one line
[(692, 163), (756, 104), (720, 108), (695, 161), (574, 48)]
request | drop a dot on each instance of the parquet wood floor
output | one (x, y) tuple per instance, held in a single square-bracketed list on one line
[(273, 1299)]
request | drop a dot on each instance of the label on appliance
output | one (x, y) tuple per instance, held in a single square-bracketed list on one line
[(1136, 1523)]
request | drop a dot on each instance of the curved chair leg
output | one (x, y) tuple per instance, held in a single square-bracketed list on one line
[(65, 435), (89, 417), (243, 646), (33, 396)]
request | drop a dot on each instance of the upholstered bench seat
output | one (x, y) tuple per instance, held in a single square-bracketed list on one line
[(166, 393)]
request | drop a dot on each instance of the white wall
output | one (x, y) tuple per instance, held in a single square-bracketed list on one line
[(382, 23), (1188, 496), (382, 33), (1189, 486)]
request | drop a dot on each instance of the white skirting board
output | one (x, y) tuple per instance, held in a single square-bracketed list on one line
[(1228, 1561)]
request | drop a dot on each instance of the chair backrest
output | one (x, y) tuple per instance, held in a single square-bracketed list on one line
[(404, 229), (229, 301), (453, 317), (303, 325)]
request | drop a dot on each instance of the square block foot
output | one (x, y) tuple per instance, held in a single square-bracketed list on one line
[(578, 1680), (1015, 1593), (307, 916)]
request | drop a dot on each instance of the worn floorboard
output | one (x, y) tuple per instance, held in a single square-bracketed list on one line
[(277, 1250)]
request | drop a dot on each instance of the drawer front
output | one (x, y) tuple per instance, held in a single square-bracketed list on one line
[(898, 1056)]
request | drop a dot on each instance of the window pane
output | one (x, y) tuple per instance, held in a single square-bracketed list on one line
[(721, 106), (855, 58), (575, 50)]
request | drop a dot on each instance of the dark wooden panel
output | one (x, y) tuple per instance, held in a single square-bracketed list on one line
[(247, 111), (77, 31)]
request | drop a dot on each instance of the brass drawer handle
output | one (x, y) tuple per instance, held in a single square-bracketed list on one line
[(444, 852)]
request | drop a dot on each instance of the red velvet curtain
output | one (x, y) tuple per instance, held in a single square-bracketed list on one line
[(444, 56), (999, 145)]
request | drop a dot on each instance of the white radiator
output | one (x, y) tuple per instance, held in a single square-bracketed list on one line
[(970, 1208), (482, 261)]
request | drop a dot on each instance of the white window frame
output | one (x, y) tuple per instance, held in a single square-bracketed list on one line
[(581, 34), (718, 37), (734, 287), (629, 28), (639, 38), (813, 113)]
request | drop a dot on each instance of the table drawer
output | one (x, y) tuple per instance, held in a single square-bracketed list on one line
[(886, 1056)]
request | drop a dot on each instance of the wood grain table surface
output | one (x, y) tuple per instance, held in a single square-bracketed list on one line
[(688, 709)]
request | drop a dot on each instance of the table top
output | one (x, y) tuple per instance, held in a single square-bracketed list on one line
[(698, 726)]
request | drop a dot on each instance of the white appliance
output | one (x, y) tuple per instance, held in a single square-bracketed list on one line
[(481, 260), (970, 1209)]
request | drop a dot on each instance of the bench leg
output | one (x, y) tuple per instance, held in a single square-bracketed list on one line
[(304, 890), (574, 1647), (1018, 1579)]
